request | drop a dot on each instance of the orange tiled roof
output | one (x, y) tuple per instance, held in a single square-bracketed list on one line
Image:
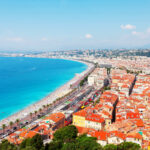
[(80, 113), (118, 134), (140, 123), (94, 117), (28, 134), (132, 115), (83, 130), (134, 135), (56, 117), (141, 106), (100, 135)]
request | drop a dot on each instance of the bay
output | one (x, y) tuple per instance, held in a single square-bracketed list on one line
[(24, 81)]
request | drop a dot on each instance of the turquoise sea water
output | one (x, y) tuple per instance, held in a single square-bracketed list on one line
[(23, 81)]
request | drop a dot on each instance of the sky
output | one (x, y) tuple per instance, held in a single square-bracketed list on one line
[(74, 24)]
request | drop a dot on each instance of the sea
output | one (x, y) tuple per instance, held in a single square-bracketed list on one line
[(24, 81)]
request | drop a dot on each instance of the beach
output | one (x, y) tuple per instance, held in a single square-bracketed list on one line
[(49, 99)]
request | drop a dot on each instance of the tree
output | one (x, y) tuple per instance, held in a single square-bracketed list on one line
[(47, 106), (25, 143), (31, 115), (35, 142), (35, 112), (17, 121), (44, 106), (128, 146), (87, 143), (11, 124), (110, 147), (5, 145), (40, 110), (108, 71), (96, 65), (66, 134), (54, 145), (83, 81), (69, 146), (29, 148), (107, 88), (3, 126)]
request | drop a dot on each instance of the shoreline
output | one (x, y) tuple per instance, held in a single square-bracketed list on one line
[(50, 98)]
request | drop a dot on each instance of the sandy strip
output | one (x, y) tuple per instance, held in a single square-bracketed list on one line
[(48, 99)]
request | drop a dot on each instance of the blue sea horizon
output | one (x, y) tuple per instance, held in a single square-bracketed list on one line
[(24, 81)]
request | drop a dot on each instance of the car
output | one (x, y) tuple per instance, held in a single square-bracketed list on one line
[(39, 116), (86, 103), (82, 106), (26, 122), (14, 128)]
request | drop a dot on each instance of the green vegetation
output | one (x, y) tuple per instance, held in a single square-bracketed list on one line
[(87, 143), (128, 146), (5, 145), (130, 71), (122, 68), (108, 71), (36, 143), (96, 65), (106, 88), (73, 142), (96, 102), (3, 126), (133, 72), (84, 80), (110, 147), (66, 134), (66, 139)]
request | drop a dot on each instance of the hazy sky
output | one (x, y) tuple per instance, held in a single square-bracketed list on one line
[(71, 24)]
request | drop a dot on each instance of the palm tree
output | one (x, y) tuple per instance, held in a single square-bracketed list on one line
[(35, 112), (47, 106), (31, 115), (44, 106), (11, 124), (3, 126), (50, 105), (17, 121), (40, 110)]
